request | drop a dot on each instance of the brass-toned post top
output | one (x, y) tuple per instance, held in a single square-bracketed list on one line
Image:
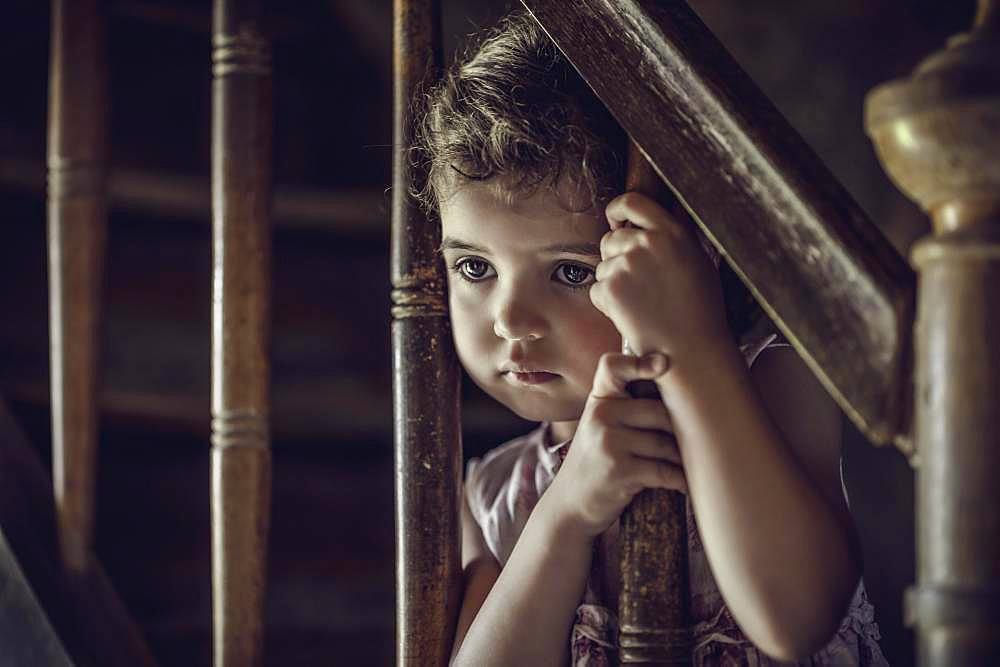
[(936, 131), (988, 16)]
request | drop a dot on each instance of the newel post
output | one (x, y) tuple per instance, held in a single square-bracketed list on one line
[(938, 136)]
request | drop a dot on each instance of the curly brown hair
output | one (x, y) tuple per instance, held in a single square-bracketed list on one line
[(512, 111)]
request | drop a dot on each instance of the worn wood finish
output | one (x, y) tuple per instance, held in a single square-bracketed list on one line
[(77, 212), (936, 134), (241, 256), (654, 624), (428, 449), (836, 288)]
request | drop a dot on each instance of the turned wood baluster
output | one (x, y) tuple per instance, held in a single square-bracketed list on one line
[(77, 212), (654, 626), (938, 136), (428, 448), (241, 258)]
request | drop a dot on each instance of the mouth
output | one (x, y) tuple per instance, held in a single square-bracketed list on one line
[(527, 376)]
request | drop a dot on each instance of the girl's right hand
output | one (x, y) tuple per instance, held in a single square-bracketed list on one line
[(622, 445)]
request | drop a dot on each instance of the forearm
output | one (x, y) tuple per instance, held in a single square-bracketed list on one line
[(527, 617), (786, 577)]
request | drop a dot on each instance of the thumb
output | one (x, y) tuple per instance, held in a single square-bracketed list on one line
[(616, 371)]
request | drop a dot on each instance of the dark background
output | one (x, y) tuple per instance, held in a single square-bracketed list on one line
[(330, 587)]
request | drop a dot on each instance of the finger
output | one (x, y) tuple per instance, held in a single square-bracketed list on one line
[(648, 414), (619, 241), (615, 371), (652, 474), (607, 267), (641, 211), (654, 445)]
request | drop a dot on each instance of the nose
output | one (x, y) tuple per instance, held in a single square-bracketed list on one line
[(519, 316)]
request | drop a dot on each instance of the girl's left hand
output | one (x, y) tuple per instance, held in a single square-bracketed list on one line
[(655, 281)]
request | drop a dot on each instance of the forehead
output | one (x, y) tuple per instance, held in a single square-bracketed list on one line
[(478, 212)]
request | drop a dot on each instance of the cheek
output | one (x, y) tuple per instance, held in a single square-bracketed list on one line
[(468, 327), (590, 334)]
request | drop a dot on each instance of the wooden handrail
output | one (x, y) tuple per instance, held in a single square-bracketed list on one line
[(353, 212), (832, 283), (241, 258), (428, 447)]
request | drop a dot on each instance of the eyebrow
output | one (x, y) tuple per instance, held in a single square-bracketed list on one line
[(585, 249)]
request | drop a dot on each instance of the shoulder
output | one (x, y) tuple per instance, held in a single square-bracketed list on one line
[(486, 476), (502, 488)]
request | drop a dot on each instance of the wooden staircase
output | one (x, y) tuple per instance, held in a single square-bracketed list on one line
[(330, 585)]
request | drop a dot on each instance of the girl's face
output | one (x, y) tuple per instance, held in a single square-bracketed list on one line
[(519, 277)]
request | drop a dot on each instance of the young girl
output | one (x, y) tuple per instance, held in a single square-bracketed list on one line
[(545, 278)]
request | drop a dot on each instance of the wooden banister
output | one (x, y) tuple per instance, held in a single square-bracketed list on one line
[(428, 448), (77, 212), (241, 258), (836, 288)]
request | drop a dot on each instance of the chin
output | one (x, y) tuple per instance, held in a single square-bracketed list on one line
[(542, 409)]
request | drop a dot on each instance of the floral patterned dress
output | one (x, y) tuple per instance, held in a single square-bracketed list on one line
[(502, 489)]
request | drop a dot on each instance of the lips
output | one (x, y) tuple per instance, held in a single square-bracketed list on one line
[(538, 377), (524, 374)]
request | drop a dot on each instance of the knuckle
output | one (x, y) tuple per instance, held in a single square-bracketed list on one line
[(613, 464), (631, 199), (608, 362), (615, 286), (606, 241), (596, 294), (600, 415)]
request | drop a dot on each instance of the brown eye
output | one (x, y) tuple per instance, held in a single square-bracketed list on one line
[(574, 275), (473, 268)]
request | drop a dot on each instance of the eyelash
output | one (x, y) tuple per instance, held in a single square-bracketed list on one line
[(457, 268)]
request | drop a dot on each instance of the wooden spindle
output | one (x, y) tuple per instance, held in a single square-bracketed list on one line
[(241, 257), (428, 448), (937, 136), (77, 213), (654, 625)]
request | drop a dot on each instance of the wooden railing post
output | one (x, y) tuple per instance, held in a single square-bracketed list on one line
[(77, 212), (654, 625), (938, 136), (428, 449), (241, 258)]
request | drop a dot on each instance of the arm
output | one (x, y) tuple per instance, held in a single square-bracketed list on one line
[(761, 453), (522, 614), (620, 447), (479, 572)]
